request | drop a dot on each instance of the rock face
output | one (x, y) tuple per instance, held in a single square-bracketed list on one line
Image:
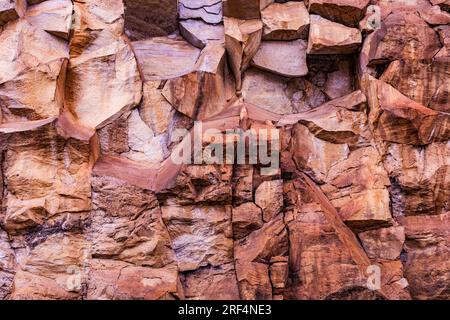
[(224, 149)]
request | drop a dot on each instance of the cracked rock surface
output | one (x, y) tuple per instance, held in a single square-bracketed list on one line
[(99, 100)]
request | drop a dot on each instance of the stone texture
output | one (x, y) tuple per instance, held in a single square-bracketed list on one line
[(280, 94), (150, 18), (282, 57), (425, 83), (285, 21), (199, 33), (31, 85), (209, 11), (348, 12), (242, 40), (11, 10), (244, 9), (98, 103), (327, 37), (54, 16)]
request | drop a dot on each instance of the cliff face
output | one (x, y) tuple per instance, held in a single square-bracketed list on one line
[(350, 98)]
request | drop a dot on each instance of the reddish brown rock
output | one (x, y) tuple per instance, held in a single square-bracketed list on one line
[(209, 11), (348, 12), (285, 21), (150, 18), (253, 255), (61, 186), (242, 40), (31, 85), (427, 256), (199, 33), (212, 283), (11, 10), (244, 9), (425, 83), (200, 236), (327, 37), (7, 265), (285, 58), (269, 197), (407, 37), (420, 184), (280, 94), (54, 16), (396, 118), (246, 218), (58, 264)]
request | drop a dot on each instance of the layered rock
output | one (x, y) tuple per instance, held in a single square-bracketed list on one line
[(281, 57), (347, 12), (327, 37), (32, 85), (150, 18), (11, 10), (285, 21), (104, 195)]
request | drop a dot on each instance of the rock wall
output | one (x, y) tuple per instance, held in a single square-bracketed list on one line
[(94, 95)]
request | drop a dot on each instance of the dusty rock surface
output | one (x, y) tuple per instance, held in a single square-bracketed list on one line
[(103, 192)]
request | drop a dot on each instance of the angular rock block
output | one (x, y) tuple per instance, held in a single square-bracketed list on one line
[(285, 21), (327, 37), (31, 85), (150, 18), (285, 58), (244, 9), (209, 11), (11, 10), (54, 16)]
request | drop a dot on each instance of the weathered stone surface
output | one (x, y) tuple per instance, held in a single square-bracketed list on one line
[(242, 40), (338, 121), (385, 243), (327, 37), (246, 218), (348, 12), (199, 33), (427, 263), (115, 280), (209, 11), (285, 21), (444, 35), (407, 37), (96, 204), (154, 55), (286, 58), (425, 83), (31, 85), (269, 197), (396, 118), (11, 10), (54, 16), (253, 255), (200, 235), (420, 178), (56, 191), (244, 9), (150, 18), (212, 283), (7, 265), (279, 94), (58, 264)]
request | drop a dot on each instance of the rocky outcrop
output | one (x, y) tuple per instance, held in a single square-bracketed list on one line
[(224, 149)]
